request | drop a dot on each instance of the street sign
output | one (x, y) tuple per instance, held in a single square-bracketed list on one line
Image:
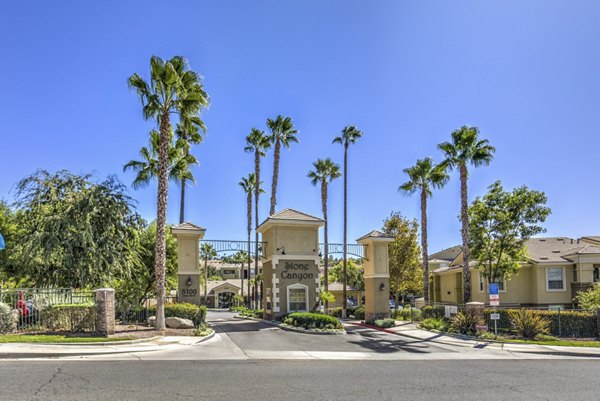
[(494, 289), (495, 302), (495, 316), (2, 244)]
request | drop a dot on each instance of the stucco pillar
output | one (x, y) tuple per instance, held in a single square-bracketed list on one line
[(377, 275), (188, 270), (105, 301)]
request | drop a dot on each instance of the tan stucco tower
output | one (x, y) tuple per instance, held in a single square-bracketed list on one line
[(188, 271), (291, 279), (377, 274)]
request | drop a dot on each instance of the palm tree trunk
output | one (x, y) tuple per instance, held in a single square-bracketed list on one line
[(464, 217), (345, 263), (424, 246), (256, 196), (161, 220), (249, 229), (206, 280), (182, 204), (276, 155), (325, 237)]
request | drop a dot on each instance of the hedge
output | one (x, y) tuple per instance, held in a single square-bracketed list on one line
[(337, 311), (359, 313), (572, 323), (184, 310), (75, 318), (438, 311), (309, 320)]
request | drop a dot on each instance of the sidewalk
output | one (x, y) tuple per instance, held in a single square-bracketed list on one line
[(22, 350), (411, 330)]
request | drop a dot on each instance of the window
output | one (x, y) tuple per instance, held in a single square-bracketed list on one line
[(482, 280), (596, 273), (297, 298), (555, 279)]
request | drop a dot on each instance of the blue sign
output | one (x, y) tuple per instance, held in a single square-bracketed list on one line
[(494, 289), (2, 244)]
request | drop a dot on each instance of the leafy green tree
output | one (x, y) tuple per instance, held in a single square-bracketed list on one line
[(499, 225), (9, 271), (141, 284), (147, 168), (406, 271), (466, 148), (350, 134), (589, 299), (207, 252), (172, 89), (74, 232), (282, 133), (422, 177), (257, 142), (354, 273), (325, 171)]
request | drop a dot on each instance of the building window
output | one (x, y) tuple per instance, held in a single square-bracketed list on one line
[(297, 298), (596, 273), (555, 280), (482, 280)]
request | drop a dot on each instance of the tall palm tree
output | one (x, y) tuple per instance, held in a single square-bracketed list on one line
[(466, 148), (172, 88), (248, 185), (257, 142), (325, 171), (189, 132), (147, 167), (282, 133), (207, 251), (424, 176), (350, 134)]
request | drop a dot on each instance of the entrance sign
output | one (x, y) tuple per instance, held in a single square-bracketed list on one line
[(495, 316)]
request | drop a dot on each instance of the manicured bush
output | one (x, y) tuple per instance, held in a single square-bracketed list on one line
[(438, 311), (528, 324), (465, 322), (8, 319), (75, 318), (434, 323), (312, 321), (385, 323), (184, 310), (337, 312), (359, 313), (237, 308)]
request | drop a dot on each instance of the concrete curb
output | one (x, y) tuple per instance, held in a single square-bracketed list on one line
[(94, 344)]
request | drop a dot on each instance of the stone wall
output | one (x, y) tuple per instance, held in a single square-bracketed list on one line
[(105, 322)]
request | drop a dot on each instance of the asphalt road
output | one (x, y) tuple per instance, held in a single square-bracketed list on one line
[(301, 380)]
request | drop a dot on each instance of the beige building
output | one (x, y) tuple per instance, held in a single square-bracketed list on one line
[(556, 270), (353, 294)]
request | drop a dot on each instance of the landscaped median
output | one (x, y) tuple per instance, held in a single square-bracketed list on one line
[(302, 322)]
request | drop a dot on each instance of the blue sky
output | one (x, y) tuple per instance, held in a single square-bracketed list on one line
[(407, 73)]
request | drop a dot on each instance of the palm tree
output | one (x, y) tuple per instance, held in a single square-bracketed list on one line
[(171, 89), (424, 176), (466, 148), (325, 171), (249, 186), (207, 251), (147, 167), (350, 134), (282, 133), (189, 132), (257, 142)]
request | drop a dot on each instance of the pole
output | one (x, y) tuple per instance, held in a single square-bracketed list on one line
[(495, 326)]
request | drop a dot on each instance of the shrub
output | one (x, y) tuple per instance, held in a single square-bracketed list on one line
[(590, 299), (256, 313), (8, 319), (336, 312), (438, 311), (434, 323), (312, 321), (184, 310), (465, 322), (237, 308), (385, 323), (70, 317), (529, 324), (326, 296), (359, 313)]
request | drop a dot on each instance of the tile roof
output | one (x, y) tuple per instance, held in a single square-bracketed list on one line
[(292, 214), (448, 254), (335, 286), (187, 226), (211, 285), (375, 234)]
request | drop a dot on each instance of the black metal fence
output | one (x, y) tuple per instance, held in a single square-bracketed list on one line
[(129, 315), (30, 302)]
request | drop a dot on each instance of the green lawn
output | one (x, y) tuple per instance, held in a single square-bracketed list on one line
[(561, 343), (56, 338)]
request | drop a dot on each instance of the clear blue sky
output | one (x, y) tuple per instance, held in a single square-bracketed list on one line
[(407, 73)]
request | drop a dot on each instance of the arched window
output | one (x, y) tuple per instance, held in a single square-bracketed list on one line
[(297, 298)]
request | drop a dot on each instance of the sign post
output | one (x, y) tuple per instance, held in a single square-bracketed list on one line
[(495, 301)]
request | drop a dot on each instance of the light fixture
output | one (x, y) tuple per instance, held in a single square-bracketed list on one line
[(381, 286), (320, 254), (282, 249), (189, 281)]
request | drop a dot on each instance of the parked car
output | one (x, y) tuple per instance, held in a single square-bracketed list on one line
[(392, 304), (352, 303)]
